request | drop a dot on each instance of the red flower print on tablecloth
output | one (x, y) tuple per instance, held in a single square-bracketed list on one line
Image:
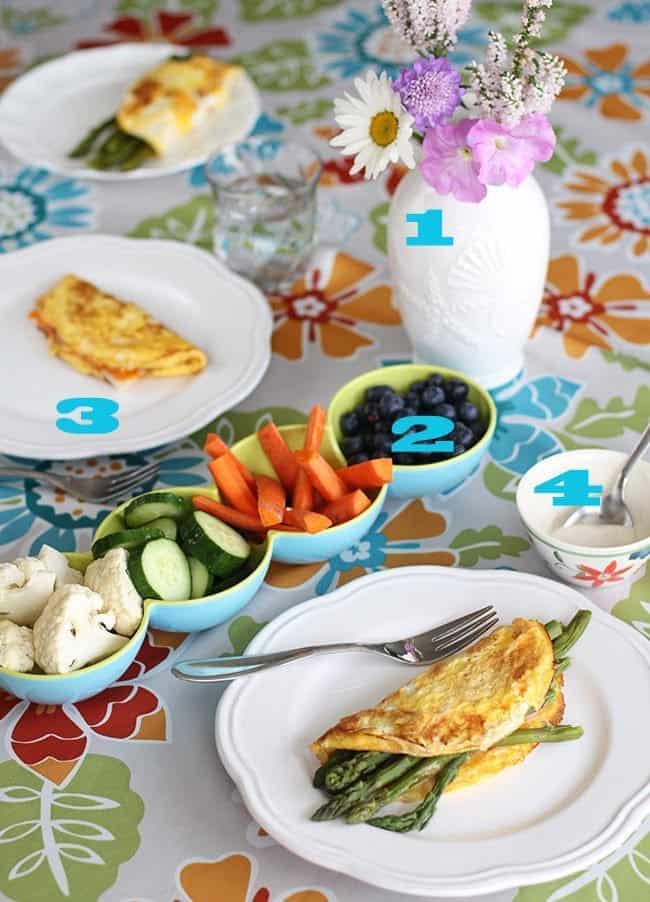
[(593, 312), (596, 578), (327, 306), (172, 27), (51, 739)]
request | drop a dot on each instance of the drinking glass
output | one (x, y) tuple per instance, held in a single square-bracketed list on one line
[(265, 209)]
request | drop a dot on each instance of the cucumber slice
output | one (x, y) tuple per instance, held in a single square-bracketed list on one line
[(201, 578), (154, 505), (126, 538), (160, 570), (218, 546), (166, 525)]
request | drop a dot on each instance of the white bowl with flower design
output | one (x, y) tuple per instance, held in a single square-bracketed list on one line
[(595, 556)]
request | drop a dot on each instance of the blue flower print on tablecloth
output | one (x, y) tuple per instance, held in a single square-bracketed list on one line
[(634, 13), (265, 125), (363, 38), (518, 443), (34, 205)]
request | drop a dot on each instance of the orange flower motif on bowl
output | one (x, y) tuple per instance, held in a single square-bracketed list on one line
[(330, 306), (165, 25), (591, 312), (607, 80), (596, 578), (613, 207)]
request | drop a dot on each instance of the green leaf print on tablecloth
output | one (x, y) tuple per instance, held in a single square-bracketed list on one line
[(283, 66), (191, 222), (66, 842), (622, 877), (241, 632), (567, 153), (145, 9), (259, 10), (488, 543), (20, 22), (593, 421), (378, 217), (627, 361), (500, 482), (635, 609), (235, 425), (505, 17), (303, 112)]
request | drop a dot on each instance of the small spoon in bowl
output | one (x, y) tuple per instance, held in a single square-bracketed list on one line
[(613, 511)]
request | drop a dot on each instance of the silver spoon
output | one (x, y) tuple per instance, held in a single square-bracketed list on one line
[(613, 509)]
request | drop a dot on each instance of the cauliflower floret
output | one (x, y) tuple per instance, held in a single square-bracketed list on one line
[(16, 647), (57, 563), (72, 631), (109, 577), (25, 587)]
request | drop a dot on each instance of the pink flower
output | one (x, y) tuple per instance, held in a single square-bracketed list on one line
[(448, 164), (508, 155)]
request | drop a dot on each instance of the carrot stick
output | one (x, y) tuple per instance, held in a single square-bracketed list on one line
[(308, 521), (315, 429), (232, 484), (211, 438), (271, 500), (347, 507), (321, 475), (216, 447), (303, 494), (371, 474), (279, 455), (228, 514)]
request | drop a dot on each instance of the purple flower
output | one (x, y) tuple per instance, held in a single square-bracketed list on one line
[(429, 91), (508, 155), (448, 164)]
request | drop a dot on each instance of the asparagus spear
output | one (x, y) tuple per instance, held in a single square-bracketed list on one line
[(419, 817), (426, 767), (562, 665), (341, 775), (571, 633), (336, 758), (85, 145), (141, 154), (358, 791), (553, 628)]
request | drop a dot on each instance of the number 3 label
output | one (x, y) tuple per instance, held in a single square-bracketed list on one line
[(416, 442), (94, 416)]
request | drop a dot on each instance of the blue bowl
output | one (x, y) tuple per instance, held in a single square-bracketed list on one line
[(425, 479)]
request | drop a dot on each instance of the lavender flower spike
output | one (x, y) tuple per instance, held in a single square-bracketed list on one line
[(429, 25), (429, 91)]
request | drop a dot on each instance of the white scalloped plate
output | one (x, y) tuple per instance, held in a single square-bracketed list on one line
[(48, 110), (181, 286), (566, 807)]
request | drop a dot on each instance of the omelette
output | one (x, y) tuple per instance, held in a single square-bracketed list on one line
[(175, 98), (467, 702), (114, 340)]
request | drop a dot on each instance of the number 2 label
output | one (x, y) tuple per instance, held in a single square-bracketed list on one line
[(417, 442), (572, 489), (94, 416)]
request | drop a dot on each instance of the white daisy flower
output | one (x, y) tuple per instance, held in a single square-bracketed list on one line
[(376, 128)]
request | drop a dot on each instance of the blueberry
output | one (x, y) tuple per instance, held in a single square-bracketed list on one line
[(408, 411), (445, 410), (368, 441), (478, 429), (459, 448), (463, 434), (350, 424), (377, 392), (412, 399), (404, 459), (352, 444), (418, 386), (390, 406), (431, 397), (467, 412), (358, 458), (370, 413), (435, 379), (382, 445), (456, 390)]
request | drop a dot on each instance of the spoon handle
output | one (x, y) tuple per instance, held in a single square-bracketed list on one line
[(635, 456)]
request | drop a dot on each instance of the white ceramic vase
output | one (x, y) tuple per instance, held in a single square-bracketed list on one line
[(471, 306)]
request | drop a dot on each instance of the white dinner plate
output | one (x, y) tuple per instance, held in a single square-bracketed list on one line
[(47, 111), (565, 807), (182, 287)]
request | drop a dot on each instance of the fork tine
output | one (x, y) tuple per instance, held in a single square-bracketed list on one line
[(139, 474), (122, 489), (458, 633), (467, 639), (454, 625)]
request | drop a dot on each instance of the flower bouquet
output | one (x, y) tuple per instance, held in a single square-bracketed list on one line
[(483, 125)]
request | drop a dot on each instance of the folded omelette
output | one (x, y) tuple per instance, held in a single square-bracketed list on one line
[(100, 335), (465, 703)]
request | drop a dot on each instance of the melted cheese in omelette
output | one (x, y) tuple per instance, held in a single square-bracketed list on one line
[(469, 701), (100, 335), (174, 98)]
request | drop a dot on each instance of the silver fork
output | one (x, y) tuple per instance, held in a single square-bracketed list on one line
[(98, 489), (425, 648)]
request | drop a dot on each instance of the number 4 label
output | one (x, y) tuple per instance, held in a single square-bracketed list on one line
[(572, 489)]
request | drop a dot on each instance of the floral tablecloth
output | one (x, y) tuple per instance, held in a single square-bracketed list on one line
[(123, 797)]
